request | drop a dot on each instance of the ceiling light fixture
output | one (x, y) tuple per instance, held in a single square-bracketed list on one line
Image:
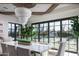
[(23, 14)]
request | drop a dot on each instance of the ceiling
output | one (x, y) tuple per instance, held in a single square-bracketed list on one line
[(36, 9)]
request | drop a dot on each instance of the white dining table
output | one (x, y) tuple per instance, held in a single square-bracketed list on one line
[(34, 47)]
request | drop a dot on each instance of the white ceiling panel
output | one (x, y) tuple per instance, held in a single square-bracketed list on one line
[(37, 8)]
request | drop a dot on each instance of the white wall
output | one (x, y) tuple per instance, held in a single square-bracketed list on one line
[(8, 18), (5, 19), (62, 12)]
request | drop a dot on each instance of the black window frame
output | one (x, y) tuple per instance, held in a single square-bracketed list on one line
[(15, 34), (62, 19)]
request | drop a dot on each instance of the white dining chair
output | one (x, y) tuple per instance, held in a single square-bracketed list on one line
[(61, 49), (4, 50)]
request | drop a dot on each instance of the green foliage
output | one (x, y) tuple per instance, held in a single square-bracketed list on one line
[(27, 31), (75, 25)]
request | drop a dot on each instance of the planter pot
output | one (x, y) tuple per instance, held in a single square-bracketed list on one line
[(25, 43)]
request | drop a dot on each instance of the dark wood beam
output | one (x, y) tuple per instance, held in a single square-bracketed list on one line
[(51, 8), (26, 5), (7, 13)]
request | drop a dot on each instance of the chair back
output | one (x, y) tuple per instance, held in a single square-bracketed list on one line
[(4, 48), (23, 52), (61, 49), (12, 50)]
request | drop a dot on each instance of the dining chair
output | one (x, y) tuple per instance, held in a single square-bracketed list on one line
[(12, 50), (4, 50), (23, 52), (1, 40), (61, 49)]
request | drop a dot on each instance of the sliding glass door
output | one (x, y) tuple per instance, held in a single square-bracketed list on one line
[(54, 28), (57, 38), (44, 33), (71, 39), (55, 31)]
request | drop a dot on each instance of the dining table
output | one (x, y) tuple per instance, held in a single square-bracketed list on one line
[(38, 48)]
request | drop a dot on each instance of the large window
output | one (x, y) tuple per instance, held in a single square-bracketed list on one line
[(72, 41), (55, 31), (13, 30)]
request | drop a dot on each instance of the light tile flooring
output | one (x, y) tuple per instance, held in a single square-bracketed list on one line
[(66, 53)]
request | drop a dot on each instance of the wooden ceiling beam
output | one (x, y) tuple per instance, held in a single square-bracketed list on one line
[(26, 5), (51, 8), (7, 13)]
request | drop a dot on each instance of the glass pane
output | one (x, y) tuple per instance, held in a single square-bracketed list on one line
[(33, 25), (35, 29), (51, 24), (36, 25), (46, 38), (72, 44), (57, 23), (64, 27), (45, 28), (41, 39), (70, 22), (45, 24), (70, 28), (51, 29), (41, 29), (51, 34), (65, 22), (57, 45), (57, 28), (41, 25), (9, 26), (57, 40), (52, 40), (13, 26), (18, 31)]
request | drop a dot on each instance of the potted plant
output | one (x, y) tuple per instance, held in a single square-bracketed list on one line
[(75, 28), (26, 34)]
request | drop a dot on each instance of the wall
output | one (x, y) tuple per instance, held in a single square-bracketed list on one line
[(5, 19)]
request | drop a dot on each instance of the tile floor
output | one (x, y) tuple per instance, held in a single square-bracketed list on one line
[(66, 53)]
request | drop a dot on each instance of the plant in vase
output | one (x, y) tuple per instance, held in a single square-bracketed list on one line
[(26, 34)]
